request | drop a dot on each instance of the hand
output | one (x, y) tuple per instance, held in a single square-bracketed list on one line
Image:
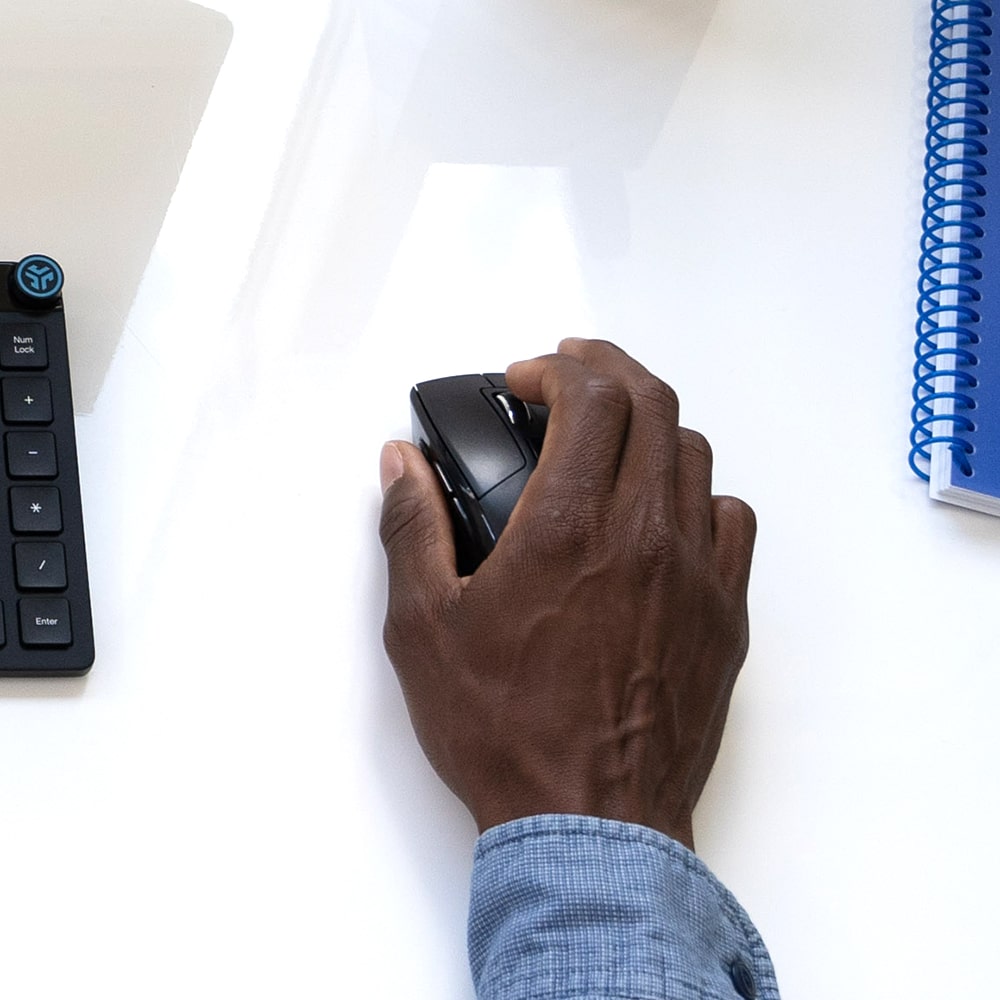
[(587, 665)]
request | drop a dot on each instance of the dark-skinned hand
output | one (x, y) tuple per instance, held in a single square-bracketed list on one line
[(586, 667)]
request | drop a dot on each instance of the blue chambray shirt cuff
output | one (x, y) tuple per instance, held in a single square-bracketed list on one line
[(580, 907)]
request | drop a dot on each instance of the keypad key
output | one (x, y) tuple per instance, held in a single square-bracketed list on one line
[(31, 455), (27, 400), (40, 565), (23, 345), (35, 510), (45, 621)]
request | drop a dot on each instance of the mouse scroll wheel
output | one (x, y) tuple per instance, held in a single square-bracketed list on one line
[(515, 410)]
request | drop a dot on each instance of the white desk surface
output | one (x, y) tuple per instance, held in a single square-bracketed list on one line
[(232, 803)]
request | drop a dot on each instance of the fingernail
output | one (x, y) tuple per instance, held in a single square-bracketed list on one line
[(390, 466)]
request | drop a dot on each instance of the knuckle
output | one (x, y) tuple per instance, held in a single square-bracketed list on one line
[(655, 551), (748, 515), (592, 349), (566, 529), (738, 515), (607, 393), (657, 395), (695, 444), (658, 556)]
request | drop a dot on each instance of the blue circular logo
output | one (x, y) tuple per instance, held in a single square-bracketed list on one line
[(39, 277)]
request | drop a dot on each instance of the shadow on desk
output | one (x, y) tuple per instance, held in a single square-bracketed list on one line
[(582, 89), (101, 100)]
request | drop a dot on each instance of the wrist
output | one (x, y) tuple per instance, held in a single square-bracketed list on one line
[(677, 824)]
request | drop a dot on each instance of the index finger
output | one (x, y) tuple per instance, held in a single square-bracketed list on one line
[(589, 413)]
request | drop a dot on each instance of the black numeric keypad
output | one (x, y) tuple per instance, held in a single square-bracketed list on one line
[(45, 614)]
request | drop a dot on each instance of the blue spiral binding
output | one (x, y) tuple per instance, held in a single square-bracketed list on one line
[(957, 102)]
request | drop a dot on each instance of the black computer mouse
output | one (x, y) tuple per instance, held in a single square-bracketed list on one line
[(484, 443)]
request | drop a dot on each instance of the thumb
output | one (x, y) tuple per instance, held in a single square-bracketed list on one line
[(415, 527)]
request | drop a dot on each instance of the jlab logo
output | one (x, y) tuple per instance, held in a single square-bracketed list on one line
[(40, 278)]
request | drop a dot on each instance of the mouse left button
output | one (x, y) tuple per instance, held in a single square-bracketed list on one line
[(472, 432)]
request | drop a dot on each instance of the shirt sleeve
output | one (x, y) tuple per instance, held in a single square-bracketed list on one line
[(581, 908)]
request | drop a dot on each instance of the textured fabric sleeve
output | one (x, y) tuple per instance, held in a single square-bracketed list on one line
[(579, 908)]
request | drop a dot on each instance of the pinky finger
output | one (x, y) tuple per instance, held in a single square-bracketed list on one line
[(734, 528)]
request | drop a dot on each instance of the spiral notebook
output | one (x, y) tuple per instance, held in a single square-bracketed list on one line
[(955, 436)]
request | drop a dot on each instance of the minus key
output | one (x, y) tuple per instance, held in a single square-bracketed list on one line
[(31, 455)]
